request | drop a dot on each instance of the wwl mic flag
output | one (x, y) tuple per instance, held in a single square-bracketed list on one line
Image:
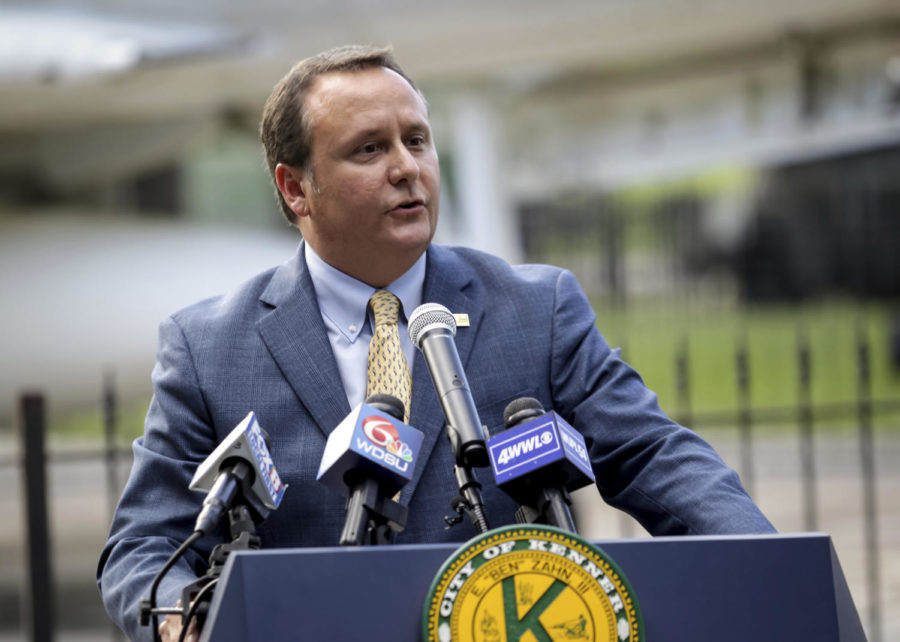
[(546, 441)]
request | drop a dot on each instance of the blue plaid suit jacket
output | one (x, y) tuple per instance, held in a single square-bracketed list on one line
[(264, 348)]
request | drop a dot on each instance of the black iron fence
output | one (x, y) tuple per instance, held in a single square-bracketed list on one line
[(805, 414), (39, 603), (786, 234), (34, 461)]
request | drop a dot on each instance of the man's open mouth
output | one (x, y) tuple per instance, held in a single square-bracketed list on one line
[(408, 205)]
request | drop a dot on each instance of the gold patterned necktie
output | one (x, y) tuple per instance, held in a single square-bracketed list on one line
[(388, 371)]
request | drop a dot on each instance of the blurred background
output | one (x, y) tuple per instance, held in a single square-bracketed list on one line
[(721, 176)]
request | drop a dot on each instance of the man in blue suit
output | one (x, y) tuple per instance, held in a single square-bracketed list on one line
[(350, 149)]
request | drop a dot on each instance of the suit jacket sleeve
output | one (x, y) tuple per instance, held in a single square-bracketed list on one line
[(157, 510), (647, 465)]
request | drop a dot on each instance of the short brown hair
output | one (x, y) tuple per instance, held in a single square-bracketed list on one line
[(284, 130)]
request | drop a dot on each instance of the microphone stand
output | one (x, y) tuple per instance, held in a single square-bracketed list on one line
[(372, 518), (469, 499), (549, 503), (552, 508), (196, 596)]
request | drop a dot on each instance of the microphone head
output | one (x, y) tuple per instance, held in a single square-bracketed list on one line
[(539, 451), (521, 410), (388, 404), (247, 442), (429, 316), (371, 443)]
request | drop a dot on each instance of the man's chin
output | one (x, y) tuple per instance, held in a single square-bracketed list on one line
[(413, 238)]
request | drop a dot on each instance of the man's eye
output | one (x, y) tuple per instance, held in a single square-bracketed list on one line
[(416, 141), (369, 148)]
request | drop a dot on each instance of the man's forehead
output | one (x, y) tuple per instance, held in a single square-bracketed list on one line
[(334, 88)]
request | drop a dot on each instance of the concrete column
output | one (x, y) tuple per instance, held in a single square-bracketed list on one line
[(486, 219)]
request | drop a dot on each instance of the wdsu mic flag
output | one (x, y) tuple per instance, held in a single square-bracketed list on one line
[(370, 440), (546, 441)]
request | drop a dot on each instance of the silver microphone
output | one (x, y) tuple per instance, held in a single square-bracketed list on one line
[(432, 329)]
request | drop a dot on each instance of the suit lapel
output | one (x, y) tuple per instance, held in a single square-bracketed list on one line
[(448, 281), (297, 339), (295, 335)]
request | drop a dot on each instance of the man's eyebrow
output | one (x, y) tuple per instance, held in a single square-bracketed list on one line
[(366, 133), (369, 132), (355, 137)]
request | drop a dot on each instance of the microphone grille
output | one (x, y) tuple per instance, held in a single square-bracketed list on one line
[(521, 410), (429, 315), (388, 404)]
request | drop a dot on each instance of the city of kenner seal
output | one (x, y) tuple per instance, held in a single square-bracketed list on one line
[(530, 582)]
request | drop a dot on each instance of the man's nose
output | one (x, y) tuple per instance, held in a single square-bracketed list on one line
[(404, 165)]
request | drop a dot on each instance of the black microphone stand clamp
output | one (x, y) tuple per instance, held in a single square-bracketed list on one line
[(194, 599), (552, 508), (468, 501), (376, 519), (196, 596)]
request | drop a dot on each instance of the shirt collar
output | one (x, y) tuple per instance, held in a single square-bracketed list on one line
[(345, 300)]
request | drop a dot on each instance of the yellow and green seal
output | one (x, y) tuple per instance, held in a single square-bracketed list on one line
[(530, 583)]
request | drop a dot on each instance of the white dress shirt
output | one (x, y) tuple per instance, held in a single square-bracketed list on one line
[(344, 301)]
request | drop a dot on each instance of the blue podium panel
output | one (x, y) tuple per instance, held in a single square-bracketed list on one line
[(740, 588)]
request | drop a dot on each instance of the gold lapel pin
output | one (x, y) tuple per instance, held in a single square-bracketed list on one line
[(462, 320)]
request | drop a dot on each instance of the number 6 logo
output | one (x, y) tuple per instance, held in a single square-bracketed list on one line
[(380, 431)]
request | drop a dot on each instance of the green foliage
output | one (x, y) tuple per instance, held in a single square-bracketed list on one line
[(88, 422), (652, 335)]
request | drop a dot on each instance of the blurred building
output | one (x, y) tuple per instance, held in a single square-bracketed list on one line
[(650, 145)]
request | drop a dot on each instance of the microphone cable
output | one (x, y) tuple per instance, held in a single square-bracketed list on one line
[(195, 606), (148, 606)]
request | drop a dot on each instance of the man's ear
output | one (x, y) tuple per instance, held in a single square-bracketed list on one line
[(293, 185)]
